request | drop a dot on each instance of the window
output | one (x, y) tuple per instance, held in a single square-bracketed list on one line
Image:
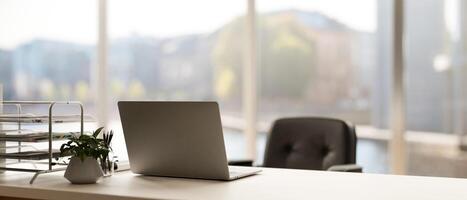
[(434, 68), (178, 50), (314, 58), (46, 53), (47, 49), (317, 58), (320, 58)]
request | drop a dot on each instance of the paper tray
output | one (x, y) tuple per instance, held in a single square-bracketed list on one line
[(31, 155), (33, 136), (30, 118)]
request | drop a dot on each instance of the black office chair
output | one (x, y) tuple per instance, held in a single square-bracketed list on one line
[(311, 143)]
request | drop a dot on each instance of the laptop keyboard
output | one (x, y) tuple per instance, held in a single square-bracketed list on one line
[(237, 170), (233, 173)]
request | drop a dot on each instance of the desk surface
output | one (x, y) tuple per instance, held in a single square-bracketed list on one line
[(269, 184)]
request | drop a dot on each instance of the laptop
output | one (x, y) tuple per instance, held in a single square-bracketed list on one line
[(177, 139)]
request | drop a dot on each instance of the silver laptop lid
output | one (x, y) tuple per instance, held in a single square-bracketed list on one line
[(179, 139)]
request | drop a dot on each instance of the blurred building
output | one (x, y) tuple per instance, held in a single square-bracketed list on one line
[(349, 70), (170, 66), (47, 69)]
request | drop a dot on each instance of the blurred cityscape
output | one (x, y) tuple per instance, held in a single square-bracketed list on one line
[(309, 64)]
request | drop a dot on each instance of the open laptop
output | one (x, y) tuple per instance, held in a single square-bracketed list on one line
[(177, 139)]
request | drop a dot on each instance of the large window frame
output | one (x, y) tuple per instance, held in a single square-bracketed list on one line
[(397, 124)]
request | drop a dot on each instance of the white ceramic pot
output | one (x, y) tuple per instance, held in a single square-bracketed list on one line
[(83, 172)]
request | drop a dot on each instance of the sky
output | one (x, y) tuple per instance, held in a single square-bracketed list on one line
[(76, 20)]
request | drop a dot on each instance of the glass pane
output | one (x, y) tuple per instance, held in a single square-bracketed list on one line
[(435, 54), (317, 59), (430, 87), (322, 58), (46, 49), (46, 53), (178, 50)]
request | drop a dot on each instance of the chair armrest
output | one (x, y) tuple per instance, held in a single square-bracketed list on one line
[(247, 163), (346, 168)]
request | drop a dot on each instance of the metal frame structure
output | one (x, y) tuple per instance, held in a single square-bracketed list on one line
[(50, 123), (397, 114), (397, 151), (249, 80)]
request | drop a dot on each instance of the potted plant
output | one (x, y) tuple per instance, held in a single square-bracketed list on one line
[(85, 150), (107, 161)]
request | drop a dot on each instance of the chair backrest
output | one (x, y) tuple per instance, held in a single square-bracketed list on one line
[(310, 143)]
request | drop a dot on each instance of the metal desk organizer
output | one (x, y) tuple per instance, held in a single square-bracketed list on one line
[(20, 135)]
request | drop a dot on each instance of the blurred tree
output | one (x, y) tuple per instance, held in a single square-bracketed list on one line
[(47, 89), (136, 90), (224, 85), (286, 57), (117, 89), (64, 91), (82, 92), (228, 59)]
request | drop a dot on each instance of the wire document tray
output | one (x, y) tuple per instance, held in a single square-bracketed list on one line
[(28, 154)]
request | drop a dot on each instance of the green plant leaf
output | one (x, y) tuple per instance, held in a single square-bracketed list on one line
[(88, 146), (96, 133)]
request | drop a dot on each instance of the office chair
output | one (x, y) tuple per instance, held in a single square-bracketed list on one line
[(310, 143)]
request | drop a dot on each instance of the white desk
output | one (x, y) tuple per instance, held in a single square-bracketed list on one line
[(270, 184)]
